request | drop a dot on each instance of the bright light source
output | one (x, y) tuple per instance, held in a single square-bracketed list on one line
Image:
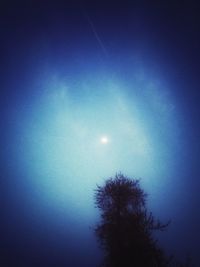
[(104, 140)]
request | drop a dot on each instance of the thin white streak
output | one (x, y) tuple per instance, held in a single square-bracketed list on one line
[(96, 34)]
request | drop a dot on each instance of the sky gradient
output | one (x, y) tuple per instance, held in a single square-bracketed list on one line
[(71, 74)]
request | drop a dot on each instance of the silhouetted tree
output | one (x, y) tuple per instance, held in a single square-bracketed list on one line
[(126, 227)]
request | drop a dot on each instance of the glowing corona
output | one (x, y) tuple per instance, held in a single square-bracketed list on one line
[(104, 140)]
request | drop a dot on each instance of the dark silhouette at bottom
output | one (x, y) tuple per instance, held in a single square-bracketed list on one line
[(125, 231)]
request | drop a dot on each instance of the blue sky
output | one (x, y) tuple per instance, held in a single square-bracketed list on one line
[(73, 74)]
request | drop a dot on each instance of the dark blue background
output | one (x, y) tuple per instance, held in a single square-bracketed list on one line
[(56, 36)]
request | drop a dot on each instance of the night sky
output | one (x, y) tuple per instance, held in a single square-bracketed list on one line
[(89, 89)]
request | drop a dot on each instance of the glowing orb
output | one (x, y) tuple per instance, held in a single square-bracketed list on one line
[(104, 140)]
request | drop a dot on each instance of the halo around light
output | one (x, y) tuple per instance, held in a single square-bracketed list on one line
[(104, 140)]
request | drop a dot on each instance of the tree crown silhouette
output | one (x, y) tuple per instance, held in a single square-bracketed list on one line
[(125, 230)]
